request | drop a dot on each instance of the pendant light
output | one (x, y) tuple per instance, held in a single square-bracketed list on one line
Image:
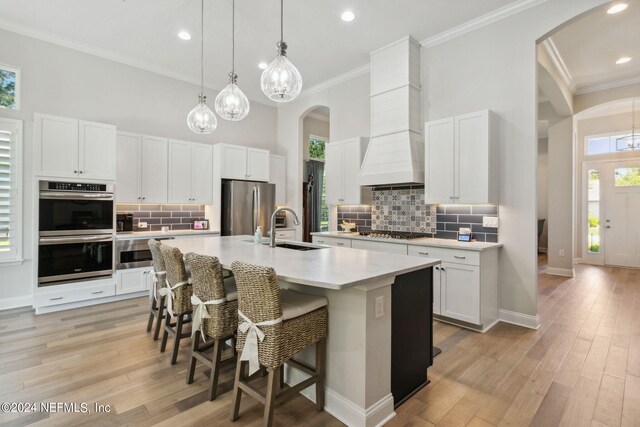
[(201, 119), (231, 103), (630, 141), (281, 81)]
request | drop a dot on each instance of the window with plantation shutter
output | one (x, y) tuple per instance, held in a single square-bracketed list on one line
[(10, 190)]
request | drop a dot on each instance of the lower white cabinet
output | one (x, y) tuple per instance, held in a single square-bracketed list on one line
[(465, 284), (392, 248), (134, 280), (64, 294), (332, 241)]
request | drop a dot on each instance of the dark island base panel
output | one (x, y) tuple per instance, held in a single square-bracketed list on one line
[(411, 333)]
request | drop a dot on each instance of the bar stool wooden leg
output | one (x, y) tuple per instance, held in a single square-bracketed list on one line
[(165, 335), (161, 317), (192, 364), (154, 308), (215, 369), (321, 363), (237, 391), (281, 377), (270, 399), (176, 341)]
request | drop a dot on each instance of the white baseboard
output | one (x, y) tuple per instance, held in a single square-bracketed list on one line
[(519, 319), (15, 302), (344, 409), (86, 303), (566, 272)]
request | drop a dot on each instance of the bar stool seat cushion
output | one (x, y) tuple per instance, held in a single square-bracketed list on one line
[(296, 304), (230, 289)]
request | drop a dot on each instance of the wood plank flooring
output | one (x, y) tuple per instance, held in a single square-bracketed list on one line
[(581, 368)]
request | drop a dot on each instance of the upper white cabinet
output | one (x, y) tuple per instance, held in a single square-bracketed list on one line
[(71, 148), (245, 163), (278, 176), (461, 160), (342, 169), (142, 168), (190, 172)]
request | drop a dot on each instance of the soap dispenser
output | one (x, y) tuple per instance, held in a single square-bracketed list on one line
[(257, 237)]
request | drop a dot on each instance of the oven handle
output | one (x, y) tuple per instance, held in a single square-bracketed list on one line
[(75, 196), (65, 240)]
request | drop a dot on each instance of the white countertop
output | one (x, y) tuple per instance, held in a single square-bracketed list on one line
[(329, 267), (151, 234), (423, 241)]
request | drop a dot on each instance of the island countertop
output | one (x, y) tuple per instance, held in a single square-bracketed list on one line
[(328, 267)]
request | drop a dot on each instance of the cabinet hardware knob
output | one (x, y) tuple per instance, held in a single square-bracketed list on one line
[(340, 244), (608, 226), (460, 257), (320, 241), (442, 268), (423, 253), (55, 299), (437, 268), (144, 198), (81, 171), (139, 198), (75, 171), (97, 292)]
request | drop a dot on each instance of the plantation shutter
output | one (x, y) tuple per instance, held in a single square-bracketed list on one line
[(8, 245)]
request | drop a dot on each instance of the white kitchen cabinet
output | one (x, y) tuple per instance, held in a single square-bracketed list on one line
[(465, 285), (190, 173), (342, 170), (461, 160), (245, 163), (371, 245), (71, 148), (278, 176), (284, 233), (133, 280), (141, 169), (332, 241)]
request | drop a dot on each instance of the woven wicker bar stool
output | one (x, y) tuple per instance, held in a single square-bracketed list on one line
[(273, 325), (215, 315), (157, 310), (178, 293)]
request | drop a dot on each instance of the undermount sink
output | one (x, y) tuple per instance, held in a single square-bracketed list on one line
[(297, 247)]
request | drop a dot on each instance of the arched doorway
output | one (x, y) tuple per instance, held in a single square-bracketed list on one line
[(315, 135)]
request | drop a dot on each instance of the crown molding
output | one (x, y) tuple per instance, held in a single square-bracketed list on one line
[(335, 80), (481, 21), (551, 49), (612, 84), (34, 33)]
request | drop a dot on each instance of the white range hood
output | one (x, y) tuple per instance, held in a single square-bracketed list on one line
[(395, 154)]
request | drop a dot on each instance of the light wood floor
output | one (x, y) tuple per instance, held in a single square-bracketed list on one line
[(581, 368)]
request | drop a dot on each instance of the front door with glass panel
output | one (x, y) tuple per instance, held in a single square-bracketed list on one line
[(622, 205)]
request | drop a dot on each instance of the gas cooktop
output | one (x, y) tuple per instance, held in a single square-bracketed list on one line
[(403, 235)]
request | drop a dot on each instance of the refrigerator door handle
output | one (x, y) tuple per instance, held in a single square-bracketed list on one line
[(255, 208), (259, 199)]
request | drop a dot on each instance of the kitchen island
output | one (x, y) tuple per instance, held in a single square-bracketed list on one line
[(370, 295)]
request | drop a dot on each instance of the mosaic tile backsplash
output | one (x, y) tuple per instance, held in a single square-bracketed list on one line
[(403, 209), (176, 217)]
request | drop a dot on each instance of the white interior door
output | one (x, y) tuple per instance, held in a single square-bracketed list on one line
[(622, 204)]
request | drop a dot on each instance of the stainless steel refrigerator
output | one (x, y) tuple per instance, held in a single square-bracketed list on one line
[(245, 205)]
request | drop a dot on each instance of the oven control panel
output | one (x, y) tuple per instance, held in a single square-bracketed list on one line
[(75, 186)]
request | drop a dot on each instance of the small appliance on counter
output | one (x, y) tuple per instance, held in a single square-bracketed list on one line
[(281, 219), (124, 222)]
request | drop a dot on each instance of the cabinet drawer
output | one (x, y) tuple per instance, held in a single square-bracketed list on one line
[(393, 248), (287, 234), (459, 256), (72, 295), (332, 241)]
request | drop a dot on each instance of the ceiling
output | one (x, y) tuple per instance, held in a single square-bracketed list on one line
[(321, 45), (589, 47)]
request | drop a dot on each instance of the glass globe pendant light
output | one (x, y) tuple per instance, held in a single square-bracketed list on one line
[(201, 119), (281, 81), (231, 103)]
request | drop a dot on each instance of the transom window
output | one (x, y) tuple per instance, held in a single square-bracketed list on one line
[(602, 144), (9, 87)]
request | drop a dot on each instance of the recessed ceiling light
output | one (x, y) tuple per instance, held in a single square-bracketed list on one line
[(617, 8), (623, 60), (184, 35), (348, 16), (263, 65)]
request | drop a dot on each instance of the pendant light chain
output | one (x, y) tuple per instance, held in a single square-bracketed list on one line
[(201, 47), (233, 37), (281, 20)]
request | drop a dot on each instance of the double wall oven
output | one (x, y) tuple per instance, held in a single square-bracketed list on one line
[(76, 232)]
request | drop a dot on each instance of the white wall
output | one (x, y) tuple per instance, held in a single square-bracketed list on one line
[(494, 67), (349, 106), (542, 190), (561, 198), (65, 82)]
